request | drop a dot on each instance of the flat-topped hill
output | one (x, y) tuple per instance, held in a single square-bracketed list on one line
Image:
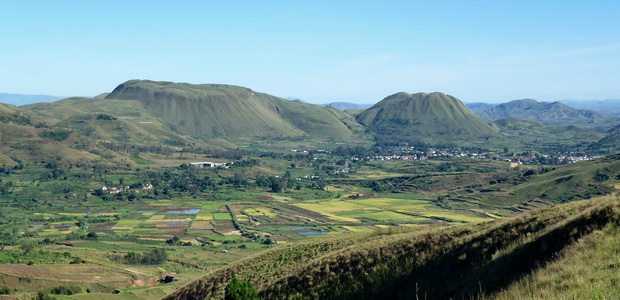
[(217, 110)]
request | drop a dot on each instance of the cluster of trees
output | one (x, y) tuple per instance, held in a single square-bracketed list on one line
[(5, 187), (65, 290), (176, 241), (17, 118), (245, 163), (353, 151), (56, 134), (105, 117), (398, 140), (155, 256), (137, 149), (394, 184), (228, 154), (53, 171), (4, 290), (192, 180), (187, 180)]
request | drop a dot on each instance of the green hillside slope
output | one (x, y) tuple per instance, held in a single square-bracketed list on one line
[(610, 142), (25, 138), (434, 117), (13, 114), (123, 121), (212, 110), (459, 262)]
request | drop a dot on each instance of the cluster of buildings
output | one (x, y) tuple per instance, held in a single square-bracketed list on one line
[(116, 189), (543, 159), (413, 154), (557, 159), (208, 164)]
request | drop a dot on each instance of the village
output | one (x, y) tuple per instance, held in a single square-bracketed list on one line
[(525, 158), (520, 159)]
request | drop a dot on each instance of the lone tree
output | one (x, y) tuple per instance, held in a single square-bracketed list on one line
[(240, 290)]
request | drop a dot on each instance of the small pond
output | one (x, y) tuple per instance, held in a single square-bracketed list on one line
[(314, 233)]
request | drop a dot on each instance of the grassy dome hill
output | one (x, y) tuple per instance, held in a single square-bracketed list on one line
[(217, 110), (428, 116)]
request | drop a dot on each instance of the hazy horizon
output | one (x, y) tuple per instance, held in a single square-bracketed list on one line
[(2, 94), (321, 51)]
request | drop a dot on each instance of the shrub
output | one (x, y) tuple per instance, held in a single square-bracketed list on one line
[(42, 296), (240, 290), (5, 290), (66, 290)]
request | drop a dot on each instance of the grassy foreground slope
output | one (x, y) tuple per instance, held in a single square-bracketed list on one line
[(456, 262), (588, 269), (212, 110)]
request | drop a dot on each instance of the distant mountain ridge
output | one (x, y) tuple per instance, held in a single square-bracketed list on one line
[(547, 113), (425, 116), (20, 99), (347, 105), (608, 106), (478, 106)]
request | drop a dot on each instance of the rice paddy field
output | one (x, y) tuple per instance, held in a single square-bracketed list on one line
[(210, 230)]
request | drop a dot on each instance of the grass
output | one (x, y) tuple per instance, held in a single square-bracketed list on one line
[(141, 161), (221, 216), (211, 207), (588, 269)]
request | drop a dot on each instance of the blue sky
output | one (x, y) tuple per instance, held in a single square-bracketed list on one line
[(319, 51)]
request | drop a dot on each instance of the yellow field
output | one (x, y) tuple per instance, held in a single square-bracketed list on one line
[(156, 217), (333, 206), (204, 216), (260, 211), (341, 218), (202, 225)]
